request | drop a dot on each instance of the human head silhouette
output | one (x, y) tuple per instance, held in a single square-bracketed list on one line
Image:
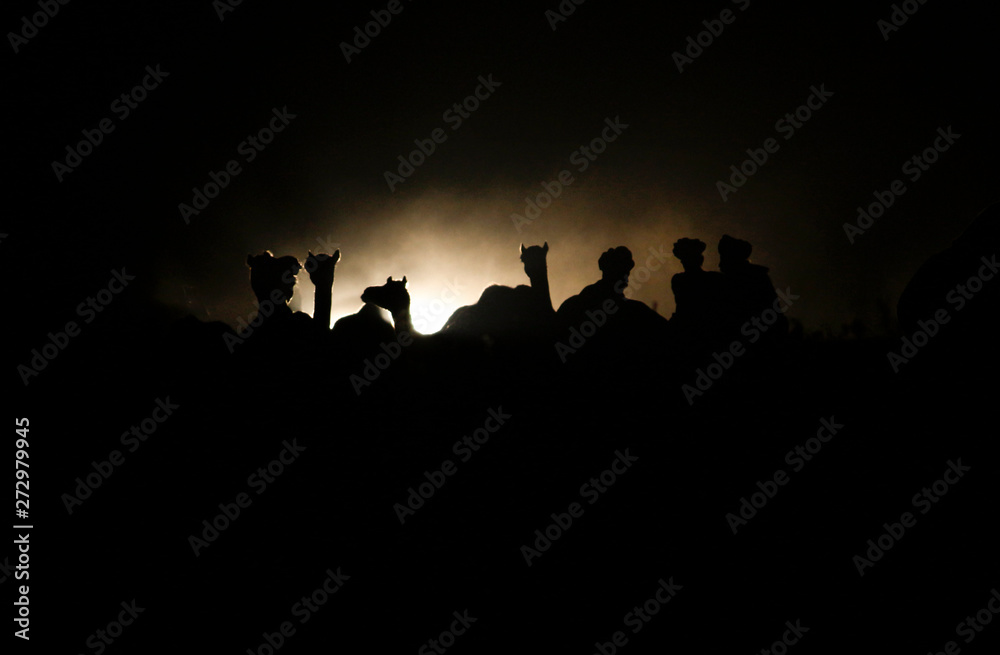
[(270, 274), (733, 252), (615, 265), (689, 251)]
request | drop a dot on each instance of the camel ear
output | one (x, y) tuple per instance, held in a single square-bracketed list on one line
[(336, 256), (522, 248), (404, 279), (388, 279), (250, 260), (545, 247)]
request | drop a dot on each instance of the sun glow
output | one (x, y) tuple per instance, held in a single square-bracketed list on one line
[(434, 297), (450, 249)]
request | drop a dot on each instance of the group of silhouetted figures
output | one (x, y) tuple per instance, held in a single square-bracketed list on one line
[(599, 325), (380, 409), (709, 304)]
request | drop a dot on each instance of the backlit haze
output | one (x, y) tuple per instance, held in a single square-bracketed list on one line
[(322, 179)]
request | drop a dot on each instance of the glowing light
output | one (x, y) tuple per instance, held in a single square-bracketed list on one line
[(432, 300), (451, 248)]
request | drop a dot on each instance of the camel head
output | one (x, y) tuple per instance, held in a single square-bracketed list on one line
[(533, 258), (321, 267), (391, 296)]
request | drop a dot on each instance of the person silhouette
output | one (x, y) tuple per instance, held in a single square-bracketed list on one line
[(700, 297), (615, 264), (750, 290), (624, 329), (698, 293)]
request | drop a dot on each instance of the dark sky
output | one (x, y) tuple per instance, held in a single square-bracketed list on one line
[(322, 178)]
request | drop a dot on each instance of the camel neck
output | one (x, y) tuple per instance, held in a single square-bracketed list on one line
[(322, 305), (401, 321), (540, 283)]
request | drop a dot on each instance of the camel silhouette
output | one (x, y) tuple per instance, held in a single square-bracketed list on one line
[(504, 312), (321, 271), (537, 270), (394, 298), (366, 322)]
